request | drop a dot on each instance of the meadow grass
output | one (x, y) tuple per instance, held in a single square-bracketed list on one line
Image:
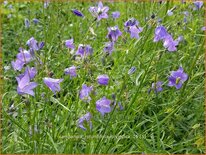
[(171, 121)]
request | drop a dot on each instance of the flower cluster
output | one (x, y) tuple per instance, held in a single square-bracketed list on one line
[(103, 105)]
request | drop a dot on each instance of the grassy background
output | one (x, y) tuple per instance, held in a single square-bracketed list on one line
[(170, 122)]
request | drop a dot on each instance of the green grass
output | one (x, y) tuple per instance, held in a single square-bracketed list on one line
[(170, 122)]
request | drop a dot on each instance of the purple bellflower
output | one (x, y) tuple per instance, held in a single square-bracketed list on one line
[(34, 45), (157, 87), (77, 13), (36, 21), (170, 44), (99, 12), (84, 50), (177, 78), (70, 43), (71, 71), (53, 84), (203, 28), (87, 118), (103, 105), (115, 14), (25, 86), (103, 79), (198, 4), (113, 33), (30, 71), (131, 26), (109, 47), (85, 92), (23, 57), (160, 33)]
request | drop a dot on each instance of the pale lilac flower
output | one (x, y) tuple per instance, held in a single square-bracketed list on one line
[(103, 79), (23, 57), (131, 26), (177, 78), (198, 4), (203, 28), (115, 14), (29, 71), (131, 22), (113, 33), (109, 47), (34, 45), (53, 84), (46, 4), (17, 65), (157, 87), (25, 86), (70, 43), (99, 12), (84, 50), (87, 118), (170, 44), (103, 105), (77, 13), (71, 71), (85, 92), (160, 33)]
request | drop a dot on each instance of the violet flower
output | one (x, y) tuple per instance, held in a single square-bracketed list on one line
[(77, 13), (103, 79), (198, 4), (85, 92), (25, 86), (23, 57), (170, 44), (109, 47), (177, 78), (203, 28), (30, 71), (84, 50), (36, 21), (113, 33), (157, 86), (70, 43), (131, 26), (160, 33), (53, 84), (71, 71), (115, 14), (34, 45), (99, 12), (132, 70), (85, 118), (103, 105)]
